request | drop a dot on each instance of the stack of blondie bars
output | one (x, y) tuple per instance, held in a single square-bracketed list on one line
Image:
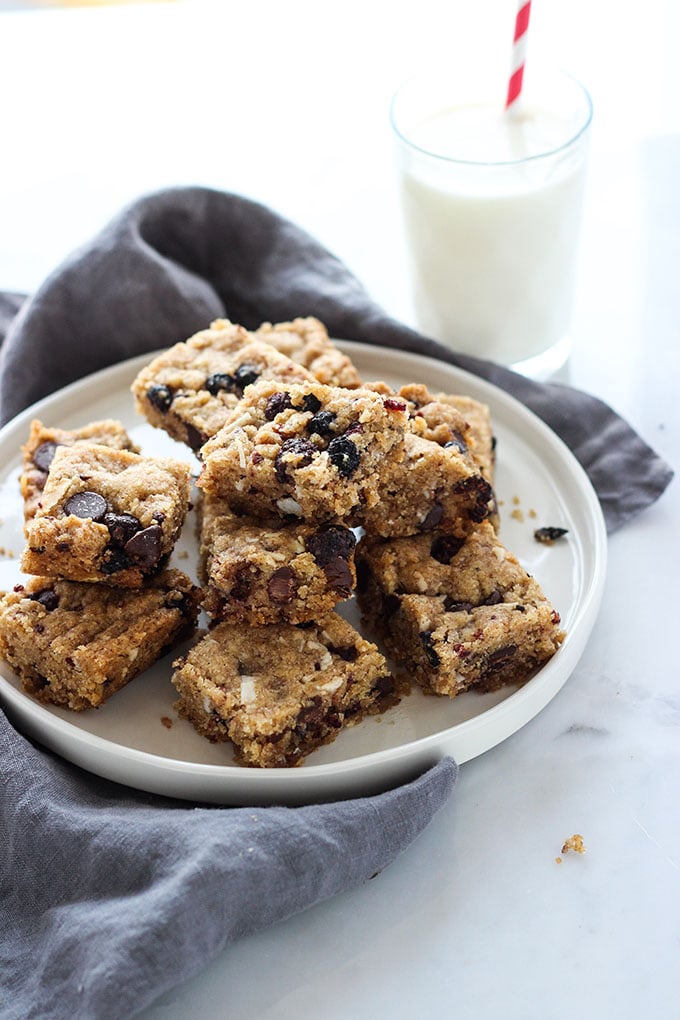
[(100, 606), (314, 486)]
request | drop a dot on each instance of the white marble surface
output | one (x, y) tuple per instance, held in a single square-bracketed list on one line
[(287, 103)]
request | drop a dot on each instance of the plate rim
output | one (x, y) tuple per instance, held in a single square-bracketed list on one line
[(298, 782)]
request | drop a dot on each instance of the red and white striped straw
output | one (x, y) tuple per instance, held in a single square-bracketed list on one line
[(519, 47)]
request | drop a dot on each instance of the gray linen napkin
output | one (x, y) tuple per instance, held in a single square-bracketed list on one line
[(108, 896), (176, 259)]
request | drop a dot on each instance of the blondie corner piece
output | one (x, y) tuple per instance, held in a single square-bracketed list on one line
[(190, 389), (38, 453), (107, 515), (438, 482), (278, 692), (303, 450), (76, 644), (257, 574), (306, 341), (456, 612)]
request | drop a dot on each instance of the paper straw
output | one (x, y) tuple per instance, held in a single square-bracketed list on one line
[(519, 47)]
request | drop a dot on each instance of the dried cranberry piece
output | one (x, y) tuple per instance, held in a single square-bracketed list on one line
[(311, 403), (160, 396), (86, 504), (445, 547), (293, 447), (344, 456), (322, 423), (331, 542), (355, 428), (282, 586), (145, 548), (426, 641), (121, 526), (277, 403), (47, 598), (44, 455), (394, 405), (219, 382)]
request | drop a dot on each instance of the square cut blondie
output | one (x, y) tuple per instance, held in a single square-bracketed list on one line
[(42, 442), (437, 482), (257, 574), (477, 435), (456, 612), (306, 341), (190, 389), (75, 644), (107, 515), (278, 692), (304, 450)]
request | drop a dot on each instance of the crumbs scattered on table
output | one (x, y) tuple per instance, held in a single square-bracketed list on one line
[(517, 515), (532, 513), (165, 721), (516, 500), (549, 535), (6, 552), (573, 843), (183, 554)]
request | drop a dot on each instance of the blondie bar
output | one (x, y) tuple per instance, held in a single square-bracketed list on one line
[(257, 574), (437, 482), (76, 644), (478, 433), (106, 515), (190, 389), (278, 692), (303, 450), (42, 442), (306, 341), (456, 612)]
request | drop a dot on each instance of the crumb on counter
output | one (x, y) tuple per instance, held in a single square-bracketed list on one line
[(574, 843), (165, 721), (517, 515)]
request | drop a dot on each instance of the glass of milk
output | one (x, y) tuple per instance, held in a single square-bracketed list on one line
[(492, 206)]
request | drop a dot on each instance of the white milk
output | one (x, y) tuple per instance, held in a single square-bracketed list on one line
[(493, 240)]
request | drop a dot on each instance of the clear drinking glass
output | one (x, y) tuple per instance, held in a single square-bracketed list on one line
[(492, 204)]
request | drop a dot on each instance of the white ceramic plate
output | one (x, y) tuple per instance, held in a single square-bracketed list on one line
[(538, 482)]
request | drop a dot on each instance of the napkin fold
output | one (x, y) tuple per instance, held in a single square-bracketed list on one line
[(110, 896)]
